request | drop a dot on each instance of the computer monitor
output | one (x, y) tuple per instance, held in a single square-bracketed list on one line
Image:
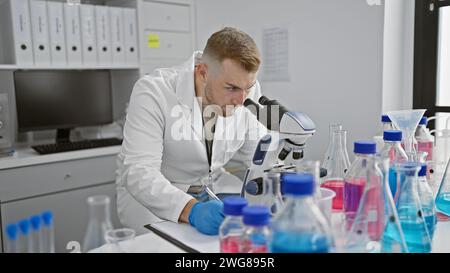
[(62, 100)]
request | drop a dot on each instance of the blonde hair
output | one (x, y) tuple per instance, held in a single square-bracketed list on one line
[(231, 43)]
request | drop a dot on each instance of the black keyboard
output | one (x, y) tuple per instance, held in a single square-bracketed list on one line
[(76, 145)]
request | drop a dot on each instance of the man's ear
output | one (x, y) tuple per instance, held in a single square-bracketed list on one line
[(203, 71)]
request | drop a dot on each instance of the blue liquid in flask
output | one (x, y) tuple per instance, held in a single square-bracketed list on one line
[(443, 203), (291, 242), (414, 228)]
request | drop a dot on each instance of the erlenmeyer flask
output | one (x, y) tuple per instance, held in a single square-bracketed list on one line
[(272, 188), (326, 159), (99, 222), (410, 212), (443, 195), (337, 166), (393, 239)]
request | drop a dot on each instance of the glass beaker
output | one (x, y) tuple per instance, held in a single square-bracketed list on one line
[(410, 211), (443, 195), (117, 237), (337, 166), (99, 222)]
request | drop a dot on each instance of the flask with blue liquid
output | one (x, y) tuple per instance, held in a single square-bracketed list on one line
[(300, 227), (410, 211), (427, 200)]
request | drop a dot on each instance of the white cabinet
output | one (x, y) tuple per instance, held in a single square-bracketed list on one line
[(166, 17), (169, 45), (71, 212), (61, 187)]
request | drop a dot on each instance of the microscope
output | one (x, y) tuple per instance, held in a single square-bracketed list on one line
[(288, 133)]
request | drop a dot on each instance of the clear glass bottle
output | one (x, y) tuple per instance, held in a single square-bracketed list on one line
[(393, 150), (363, 190), (326, 159), (425, 141), (272, 188), (48, 232), (386, 126), (338, 164), (99, 222), (301, 226), (427, 200), (232, 226), (410, 210), (256, 235)]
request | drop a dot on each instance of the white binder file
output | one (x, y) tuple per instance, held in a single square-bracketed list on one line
[(103, 35), (55, 16), (73, 34), (39, 25), (130, 33), (88, 36), (19, 28), (117, 37)]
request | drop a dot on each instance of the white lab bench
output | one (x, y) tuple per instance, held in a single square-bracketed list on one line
[(171, 237), (31, 183)]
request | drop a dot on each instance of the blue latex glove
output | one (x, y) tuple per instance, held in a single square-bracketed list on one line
[(206, 217)]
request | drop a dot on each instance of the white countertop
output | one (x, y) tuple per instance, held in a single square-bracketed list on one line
[(152, 243), (27, 156)]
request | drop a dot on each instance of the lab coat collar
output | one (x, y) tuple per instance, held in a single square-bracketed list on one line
[(185, 89)]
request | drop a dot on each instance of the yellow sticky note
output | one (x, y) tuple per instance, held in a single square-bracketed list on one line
[(153, 41)]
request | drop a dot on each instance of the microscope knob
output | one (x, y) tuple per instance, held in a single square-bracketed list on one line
[(254, 187)]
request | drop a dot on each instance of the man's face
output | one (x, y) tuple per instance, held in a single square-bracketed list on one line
[(228, 86)]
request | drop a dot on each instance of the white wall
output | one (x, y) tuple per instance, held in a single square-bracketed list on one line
[(398, 68), (336, 58)]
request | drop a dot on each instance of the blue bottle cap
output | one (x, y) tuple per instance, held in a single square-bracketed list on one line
[(385, 118), (365, 147), (47, 217), (24, 226), (298, 184), (234, 205), (256, 215), (423, 121), (12, 231), (423, 170), (392, 135), (35, 222)]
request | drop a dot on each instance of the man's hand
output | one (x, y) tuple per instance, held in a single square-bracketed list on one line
[(184, 216), (207, 217)]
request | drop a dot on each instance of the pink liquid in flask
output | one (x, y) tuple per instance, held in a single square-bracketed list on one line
[(338, 187)]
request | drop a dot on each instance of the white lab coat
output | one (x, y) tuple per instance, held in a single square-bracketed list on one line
[(156, 165)]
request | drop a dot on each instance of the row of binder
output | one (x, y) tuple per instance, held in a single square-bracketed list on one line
[(56, 33)]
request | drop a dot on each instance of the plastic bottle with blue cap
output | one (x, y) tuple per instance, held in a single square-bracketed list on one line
[(48, 232), (425, 141), (393, 150), (36, 233), (300, 227), (386, 126), (12, 236), (25, 240), (426, 197), (364, 172), (256, 234), (232, 226)]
